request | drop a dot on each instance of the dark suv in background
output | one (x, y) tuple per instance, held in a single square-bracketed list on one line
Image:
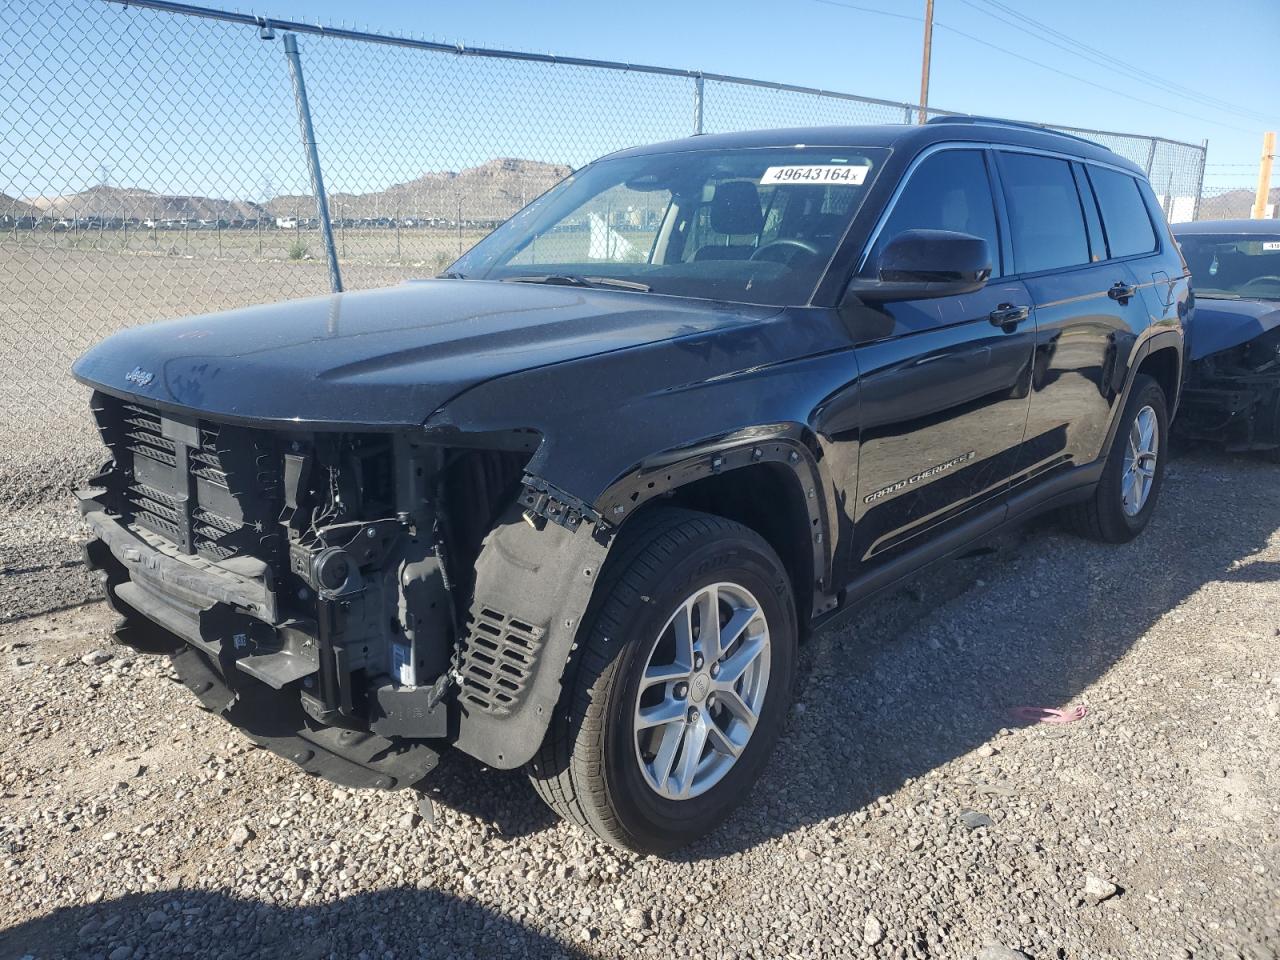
[(572, 505)]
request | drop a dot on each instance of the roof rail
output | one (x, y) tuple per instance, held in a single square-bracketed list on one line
[(1017, 125)]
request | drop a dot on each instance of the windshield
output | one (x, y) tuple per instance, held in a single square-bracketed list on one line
[(753, 225), (1242, 266)]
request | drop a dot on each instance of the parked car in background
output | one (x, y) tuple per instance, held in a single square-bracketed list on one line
[(572, 505), (1232, 394)]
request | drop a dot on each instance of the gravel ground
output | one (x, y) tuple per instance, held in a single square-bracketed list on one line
[(906, 813)]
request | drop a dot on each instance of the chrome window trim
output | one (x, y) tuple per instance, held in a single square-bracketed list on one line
[(932, 149)]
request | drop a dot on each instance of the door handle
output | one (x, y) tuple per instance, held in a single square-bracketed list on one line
[(1008, 316), (1121, 292)]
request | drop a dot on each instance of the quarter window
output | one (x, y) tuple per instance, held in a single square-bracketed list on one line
[(1124, 215), (1045, 219), (950, 190)]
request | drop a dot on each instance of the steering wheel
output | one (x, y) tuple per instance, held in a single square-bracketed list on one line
[(1265, 281), (788, 247)]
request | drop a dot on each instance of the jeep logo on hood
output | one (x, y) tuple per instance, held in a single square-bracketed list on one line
[(139, 376)]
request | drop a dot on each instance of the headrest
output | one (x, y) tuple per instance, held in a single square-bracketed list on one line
[(735, 208)]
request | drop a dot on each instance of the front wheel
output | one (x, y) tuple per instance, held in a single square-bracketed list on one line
[(681, 688), (1122, 503)]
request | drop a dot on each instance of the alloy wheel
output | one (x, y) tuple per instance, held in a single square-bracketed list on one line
[(702, 690), (1140, 461)]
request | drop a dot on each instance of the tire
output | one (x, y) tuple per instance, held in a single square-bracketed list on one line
[(1105, 516), (593, 769)]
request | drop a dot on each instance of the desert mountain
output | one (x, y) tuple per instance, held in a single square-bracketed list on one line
[(13, 207), (492, 191), (1232, 205), (130, 202)]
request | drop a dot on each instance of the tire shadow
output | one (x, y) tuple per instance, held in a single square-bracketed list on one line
[(402, 921)]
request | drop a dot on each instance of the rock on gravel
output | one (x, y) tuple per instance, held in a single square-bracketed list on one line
[(1097, 889), (872, 931), (972, 819), (635, 919), (995, 951), (240, 837)]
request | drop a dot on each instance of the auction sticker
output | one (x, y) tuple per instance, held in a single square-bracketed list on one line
[(837, 173), (1266, 244)]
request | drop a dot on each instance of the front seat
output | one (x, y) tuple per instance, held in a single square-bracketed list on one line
[(735, 212)]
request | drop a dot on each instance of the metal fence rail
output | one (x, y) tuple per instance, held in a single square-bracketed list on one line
[(151, 165)]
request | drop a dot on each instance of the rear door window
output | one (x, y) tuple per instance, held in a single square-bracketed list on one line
[(1124, 215), (1045, 217)]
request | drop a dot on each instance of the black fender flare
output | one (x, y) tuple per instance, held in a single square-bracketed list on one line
[(1156, 339), (786, 444)]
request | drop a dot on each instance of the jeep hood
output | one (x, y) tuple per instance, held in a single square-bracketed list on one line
[(1219, 325), (382, 358)]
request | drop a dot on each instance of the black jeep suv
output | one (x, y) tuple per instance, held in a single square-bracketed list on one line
[(572, 505)]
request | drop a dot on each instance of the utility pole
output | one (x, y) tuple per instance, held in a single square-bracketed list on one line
[(924, 63), (1264, 176)]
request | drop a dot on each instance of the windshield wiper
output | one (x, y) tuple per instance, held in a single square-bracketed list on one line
[(451, 275), (573, 280)]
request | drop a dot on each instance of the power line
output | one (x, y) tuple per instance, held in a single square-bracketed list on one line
[(862, 9), (1033, 62), (1079, 79), (1099, 57), (1113, 63)]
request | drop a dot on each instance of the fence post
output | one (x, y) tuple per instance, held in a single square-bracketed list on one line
[(1151, 158), (313, 158), (907, 114), (1195, 204), (697, 104)]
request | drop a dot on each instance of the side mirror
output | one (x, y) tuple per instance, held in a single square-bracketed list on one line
[(924, 264)]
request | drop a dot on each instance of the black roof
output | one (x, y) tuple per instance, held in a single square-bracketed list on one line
[(909, 137), (1233, 227)]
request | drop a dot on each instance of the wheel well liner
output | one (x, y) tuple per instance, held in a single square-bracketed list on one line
[(532, 588), (1164, 365)]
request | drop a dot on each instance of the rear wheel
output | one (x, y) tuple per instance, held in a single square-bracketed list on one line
[(1122, 503), (681, 688)]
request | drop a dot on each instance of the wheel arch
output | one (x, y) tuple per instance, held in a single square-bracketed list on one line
[(768, 479), (1166, 347)]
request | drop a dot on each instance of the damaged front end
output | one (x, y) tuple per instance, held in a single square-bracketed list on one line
[(1232, 397), (314, 587)]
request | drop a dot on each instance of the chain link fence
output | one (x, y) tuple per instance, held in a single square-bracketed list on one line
[(151, 166), (1235, 202)]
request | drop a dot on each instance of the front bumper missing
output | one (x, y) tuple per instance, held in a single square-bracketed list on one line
[(1240, 414), (218, 627)]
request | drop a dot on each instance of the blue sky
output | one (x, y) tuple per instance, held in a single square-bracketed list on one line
[(92, 92), (827, 43)]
